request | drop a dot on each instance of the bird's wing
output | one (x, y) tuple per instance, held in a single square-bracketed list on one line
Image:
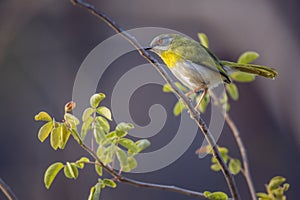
[(193, 51)]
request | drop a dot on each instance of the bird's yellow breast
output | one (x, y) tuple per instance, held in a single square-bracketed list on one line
[(170, 58)]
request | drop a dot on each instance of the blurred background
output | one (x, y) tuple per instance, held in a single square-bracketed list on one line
[(43, 43)]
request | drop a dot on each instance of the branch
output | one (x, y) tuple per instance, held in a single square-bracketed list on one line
[(194, 114), (7, 191), (123, 179), (236, 134)]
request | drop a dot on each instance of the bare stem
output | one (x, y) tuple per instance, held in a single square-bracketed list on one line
[(136, 183), (194, 114), (236, 134), (7, 191)]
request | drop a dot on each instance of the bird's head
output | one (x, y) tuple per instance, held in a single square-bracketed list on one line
[(161, 43)]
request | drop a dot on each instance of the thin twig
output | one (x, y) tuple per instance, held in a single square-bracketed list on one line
[(136, 183), (7, 191), (194, 114), (236, 134)]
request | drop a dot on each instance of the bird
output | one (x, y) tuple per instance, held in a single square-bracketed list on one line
[(196, 66)]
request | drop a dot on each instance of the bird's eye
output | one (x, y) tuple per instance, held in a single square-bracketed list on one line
[(160, 41)]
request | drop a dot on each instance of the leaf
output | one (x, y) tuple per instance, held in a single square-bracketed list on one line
[(122, 157), (124, 126), (121, 134), (71, 171), (204, 103), (98, 169), (51, 173), (105, 112), (286, 186), (87, 114), (128, 144), (96, 99), (217, 196), (276, 182), (95, 192), (215, 167), (242, 77), (64, 135), (86, 126), (248, 57), (178, 108), (109, 183), (203, 39), (80, 163), (42, 116), (103, 123), (92, 193), (45, 131), (71, 119), (142, 144), (262, 195), (99, 134), (234, 166), (233, 91), (167, 87), (132, 164), (55, 138), (112, 135)]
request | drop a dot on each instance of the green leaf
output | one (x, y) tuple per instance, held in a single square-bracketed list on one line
[(51, 173), (204, 103), (132, 164), (71, 171), (128, 144), (122, 157), (217, 196), (124, 126), (142, 144), (42, 116), (87, 114), (99, 135), (276, 182), (109, 183), (96, 99), (103, 123), (105, 112), (223, 150), (86, 126), (64, 135), (98, 169), (233, 91), (215, 167), (262, 195), (242, 77), (95, 192), (167, 87), (45, 131), (248, 57), (121, 134), (203, 39), (71, 119), (234, 166), (286, 186), (112, 135), (178, 108), (55, 138), (206, 193), (80, 163)]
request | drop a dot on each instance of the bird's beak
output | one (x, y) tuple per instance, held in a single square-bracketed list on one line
[(147, 48)]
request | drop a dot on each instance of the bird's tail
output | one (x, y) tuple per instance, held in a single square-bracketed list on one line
[(250, 68)]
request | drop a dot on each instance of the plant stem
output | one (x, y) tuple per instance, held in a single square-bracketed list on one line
[(194, 114), (7, 191), (236, 134), (123, 179)]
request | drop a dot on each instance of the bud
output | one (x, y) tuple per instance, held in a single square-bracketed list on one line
[(70, 106)]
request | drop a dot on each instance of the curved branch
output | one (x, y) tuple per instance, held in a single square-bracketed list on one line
[(7, 191), (194, 114), (236, 134), (136, 183)]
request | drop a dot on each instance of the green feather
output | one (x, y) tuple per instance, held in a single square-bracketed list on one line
[(250, 68)]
